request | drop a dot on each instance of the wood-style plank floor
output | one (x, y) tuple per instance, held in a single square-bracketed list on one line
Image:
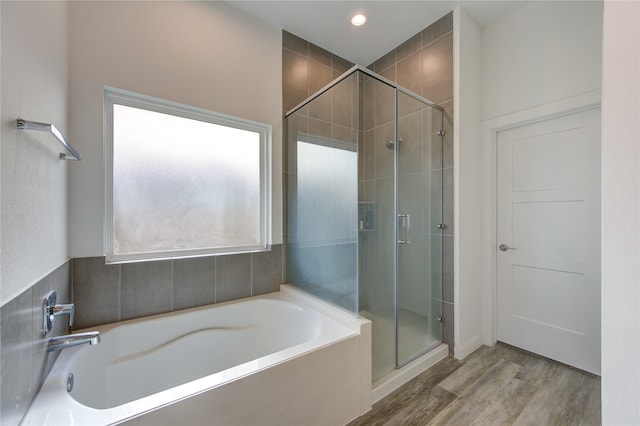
[(498, 385)]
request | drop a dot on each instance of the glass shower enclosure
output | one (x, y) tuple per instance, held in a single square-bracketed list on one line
[(363, 214)]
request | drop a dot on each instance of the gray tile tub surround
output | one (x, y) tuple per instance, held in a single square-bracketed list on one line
[(109, 293), (24, 362)]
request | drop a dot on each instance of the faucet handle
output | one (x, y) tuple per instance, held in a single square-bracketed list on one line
[(50, 310), (64, 309)]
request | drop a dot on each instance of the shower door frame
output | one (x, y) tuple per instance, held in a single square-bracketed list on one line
[(371, 74)]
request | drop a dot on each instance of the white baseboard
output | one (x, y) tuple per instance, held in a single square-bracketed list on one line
[(465, 349)]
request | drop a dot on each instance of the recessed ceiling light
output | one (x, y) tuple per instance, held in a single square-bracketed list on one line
[(358, 20)]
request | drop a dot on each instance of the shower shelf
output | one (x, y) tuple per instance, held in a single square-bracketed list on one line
[(50, 128), (366, 216)]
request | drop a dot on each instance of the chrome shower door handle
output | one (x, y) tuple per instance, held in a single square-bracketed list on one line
[(404, 222)]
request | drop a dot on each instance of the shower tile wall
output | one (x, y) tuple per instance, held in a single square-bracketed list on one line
[(25, 361), (306, 68), (424, 64)]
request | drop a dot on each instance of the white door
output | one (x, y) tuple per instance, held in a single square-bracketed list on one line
[(548, 234)]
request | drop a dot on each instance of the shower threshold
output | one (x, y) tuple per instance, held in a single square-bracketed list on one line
[(396, 378)]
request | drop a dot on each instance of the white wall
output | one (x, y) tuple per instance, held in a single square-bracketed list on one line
[(621, 214), (205, 54), (1, 299), (540, 53), (34, 181), (541, 59), (467, 187)]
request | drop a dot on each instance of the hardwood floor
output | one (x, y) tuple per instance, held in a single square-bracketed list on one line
[(498, 385)]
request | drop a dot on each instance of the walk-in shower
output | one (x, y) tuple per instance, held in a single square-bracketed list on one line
[(363, 175)]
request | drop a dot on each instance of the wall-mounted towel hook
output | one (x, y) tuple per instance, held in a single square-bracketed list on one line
[(50, 128)]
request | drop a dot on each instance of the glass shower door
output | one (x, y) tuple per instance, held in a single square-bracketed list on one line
[(419, 240)]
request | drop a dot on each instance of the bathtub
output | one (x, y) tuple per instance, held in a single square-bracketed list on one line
[(280, 359)]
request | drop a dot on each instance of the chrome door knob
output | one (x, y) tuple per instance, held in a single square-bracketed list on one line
[(505, 247)]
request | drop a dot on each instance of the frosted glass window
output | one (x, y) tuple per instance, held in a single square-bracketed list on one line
[(327, 195), (183, 181)]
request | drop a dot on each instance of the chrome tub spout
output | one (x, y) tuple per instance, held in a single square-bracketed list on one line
[(68, 340)]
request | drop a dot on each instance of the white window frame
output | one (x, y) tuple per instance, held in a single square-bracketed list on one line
[(113, 96)]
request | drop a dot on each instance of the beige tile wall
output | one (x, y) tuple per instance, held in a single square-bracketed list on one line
[(306, 68)]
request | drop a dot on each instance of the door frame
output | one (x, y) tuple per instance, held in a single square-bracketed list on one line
[(490, 129)]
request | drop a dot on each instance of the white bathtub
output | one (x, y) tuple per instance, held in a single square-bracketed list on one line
[(281, 359)]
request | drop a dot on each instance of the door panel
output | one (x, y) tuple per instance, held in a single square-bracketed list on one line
[(548, 203), (553, 229), (541, 295), (563, 156), (419, 280)]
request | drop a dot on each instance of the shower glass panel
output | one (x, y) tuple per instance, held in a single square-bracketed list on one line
[(322, 196), (363, 180), (419, 237)]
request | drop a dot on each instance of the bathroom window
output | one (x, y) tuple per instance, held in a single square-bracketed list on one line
[(182, 181)]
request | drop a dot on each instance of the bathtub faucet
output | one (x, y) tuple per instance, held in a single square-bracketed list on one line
[(68, 340)]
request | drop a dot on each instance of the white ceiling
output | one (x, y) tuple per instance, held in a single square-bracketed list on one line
[(389, 23)]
